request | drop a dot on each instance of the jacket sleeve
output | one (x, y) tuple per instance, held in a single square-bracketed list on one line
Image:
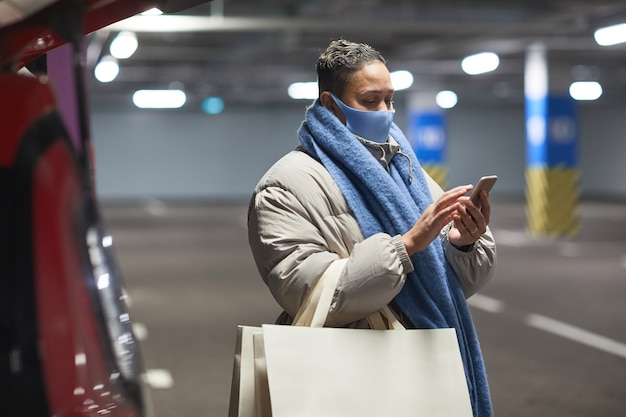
[(473, 268), (293, 245)]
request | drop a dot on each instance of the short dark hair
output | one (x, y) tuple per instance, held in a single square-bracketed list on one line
[(340, 61)]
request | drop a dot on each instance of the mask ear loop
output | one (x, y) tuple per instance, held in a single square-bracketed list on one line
[(339, 104), (335, 107)]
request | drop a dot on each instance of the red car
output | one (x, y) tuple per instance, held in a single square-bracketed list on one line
[(67, 340)]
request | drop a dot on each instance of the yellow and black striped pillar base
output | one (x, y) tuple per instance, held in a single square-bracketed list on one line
[(552, 201), (439, 173)]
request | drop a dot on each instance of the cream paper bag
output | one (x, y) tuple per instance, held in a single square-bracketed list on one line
[(243, 397), (242, 391), (330, 372), (312, 371)]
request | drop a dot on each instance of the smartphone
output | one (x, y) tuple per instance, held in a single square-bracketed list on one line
[(485, 183)]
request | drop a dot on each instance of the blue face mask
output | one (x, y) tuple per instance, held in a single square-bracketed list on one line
[(371, 125)]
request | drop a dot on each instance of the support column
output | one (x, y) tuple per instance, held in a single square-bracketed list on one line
[(552, 174), (427, 134)]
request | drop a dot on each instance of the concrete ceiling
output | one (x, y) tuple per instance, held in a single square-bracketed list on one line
[(248, 52)]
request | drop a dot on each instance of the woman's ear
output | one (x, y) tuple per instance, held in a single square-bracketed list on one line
[(327, 101)]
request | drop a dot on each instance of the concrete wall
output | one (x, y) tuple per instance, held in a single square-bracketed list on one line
[(188, 155)]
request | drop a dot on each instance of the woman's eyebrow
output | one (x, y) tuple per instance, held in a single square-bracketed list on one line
[(383, 92)]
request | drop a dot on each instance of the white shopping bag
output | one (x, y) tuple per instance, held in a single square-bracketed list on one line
[(301, 371), (242, 391), (313, 372)]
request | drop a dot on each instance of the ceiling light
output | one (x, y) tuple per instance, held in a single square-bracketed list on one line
[(165, 23), (124, 45), (480, 63), (585, 90), (159, 99), (401, 80), (303, 90), (446, 99), (107, 69), (610, 35)]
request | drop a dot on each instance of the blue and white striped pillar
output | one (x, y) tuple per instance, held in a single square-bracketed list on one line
[(428, 136), (552, 174)]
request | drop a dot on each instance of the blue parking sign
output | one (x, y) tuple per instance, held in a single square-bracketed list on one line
[(551, 132), (427, 134), (562, 132)]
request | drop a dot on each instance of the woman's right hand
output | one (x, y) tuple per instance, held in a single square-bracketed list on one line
[(434, 218)]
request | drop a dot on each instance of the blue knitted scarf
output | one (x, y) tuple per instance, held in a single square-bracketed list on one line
[(391, 203)]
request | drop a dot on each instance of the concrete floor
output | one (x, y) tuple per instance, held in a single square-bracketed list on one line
[(552, 323)]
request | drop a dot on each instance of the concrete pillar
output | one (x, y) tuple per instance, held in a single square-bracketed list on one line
[(428, 135), (552, 174)]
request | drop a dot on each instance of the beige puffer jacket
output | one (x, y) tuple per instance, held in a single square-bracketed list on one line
[(299, 222)]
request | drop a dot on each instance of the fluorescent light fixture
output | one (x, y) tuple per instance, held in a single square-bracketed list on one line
[(401, 80), (446, 99), (124, 45), (303, 90), (610, 35), (106, 70), (165, 23), (159, 99), (585, 90), (480, 63)]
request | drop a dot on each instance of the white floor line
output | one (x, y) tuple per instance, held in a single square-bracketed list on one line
[(159, 378), (155, 207), (485, 303), (513, 238), (576, 334), (573, 333)]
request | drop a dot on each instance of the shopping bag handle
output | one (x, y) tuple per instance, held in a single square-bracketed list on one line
[(314, 309), (316, 305), (384, 319)]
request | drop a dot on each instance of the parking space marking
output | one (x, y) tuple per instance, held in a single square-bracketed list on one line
[(485, 303), (555, 327), (513, 238), (155, 207), (576, 334)]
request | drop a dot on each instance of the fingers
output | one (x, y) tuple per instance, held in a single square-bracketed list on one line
[(475, 220), (486, 207), (449, 207), (452, 196), (470, 222), (456, 192), (451, 202), (448, 214), (468, 226)]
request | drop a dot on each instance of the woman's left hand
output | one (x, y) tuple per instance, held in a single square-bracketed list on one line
[(470, 222)]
